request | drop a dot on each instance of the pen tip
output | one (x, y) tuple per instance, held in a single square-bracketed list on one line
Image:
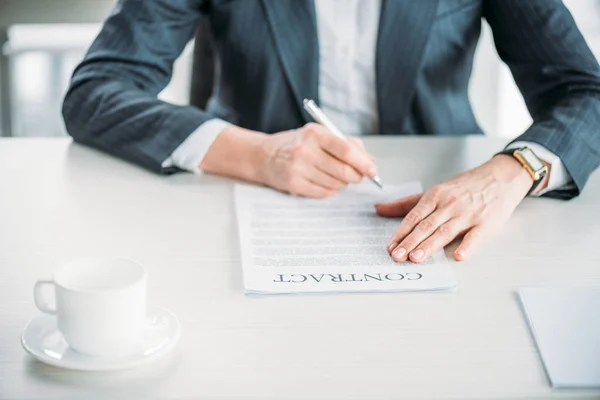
[(376, 180), (305, 101)]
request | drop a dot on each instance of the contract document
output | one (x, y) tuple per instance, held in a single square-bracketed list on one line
[(293, 244)]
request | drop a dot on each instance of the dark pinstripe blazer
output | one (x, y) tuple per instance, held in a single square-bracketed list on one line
[(268, 62)]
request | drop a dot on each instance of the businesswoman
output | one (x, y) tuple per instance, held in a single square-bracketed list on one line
[(385, 67)]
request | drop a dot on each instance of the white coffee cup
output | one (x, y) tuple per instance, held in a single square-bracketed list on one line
[(100, 305)]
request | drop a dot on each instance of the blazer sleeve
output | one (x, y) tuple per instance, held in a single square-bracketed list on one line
[(558, 76), (112, 101)]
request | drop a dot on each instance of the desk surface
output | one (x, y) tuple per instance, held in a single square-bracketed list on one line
[(61, 201)]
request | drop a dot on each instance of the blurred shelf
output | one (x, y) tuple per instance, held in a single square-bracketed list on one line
[(50, 37), (53, 11)]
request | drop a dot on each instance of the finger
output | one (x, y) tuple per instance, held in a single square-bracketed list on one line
[(318, 177), (398, 208), (361, 145), (422, 210), (306, 188), (357, 142), (334, 167), (443, 235), (421, 231), (347, 153), (469, 243)]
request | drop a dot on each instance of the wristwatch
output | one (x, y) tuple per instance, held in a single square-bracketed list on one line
[(532, 164)]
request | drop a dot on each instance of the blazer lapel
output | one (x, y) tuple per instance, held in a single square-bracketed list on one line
[(404, 28), (294, 30)]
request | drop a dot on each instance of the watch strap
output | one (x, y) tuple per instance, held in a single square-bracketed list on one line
[(536, 183)]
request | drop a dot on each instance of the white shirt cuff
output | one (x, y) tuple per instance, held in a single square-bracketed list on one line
[(559, 176), (192, 150)]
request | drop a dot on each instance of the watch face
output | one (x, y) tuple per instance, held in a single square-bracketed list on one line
[(532, 159)]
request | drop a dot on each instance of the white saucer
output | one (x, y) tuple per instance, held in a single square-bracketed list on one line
[(42, 340)]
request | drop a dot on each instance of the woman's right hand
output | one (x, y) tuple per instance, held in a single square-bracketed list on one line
[(309, 161), (312, 162)]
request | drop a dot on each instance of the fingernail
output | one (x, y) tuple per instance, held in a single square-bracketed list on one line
[(391, 246), (461, 253), (418, 254), (399, 253), (372, 172)]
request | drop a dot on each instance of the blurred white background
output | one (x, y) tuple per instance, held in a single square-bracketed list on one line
[(38, 59)]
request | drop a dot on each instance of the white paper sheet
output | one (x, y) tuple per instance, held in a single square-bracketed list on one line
[(297, 245), (565, 323)]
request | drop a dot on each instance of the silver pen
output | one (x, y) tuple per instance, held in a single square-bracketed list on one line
[(319, 116)]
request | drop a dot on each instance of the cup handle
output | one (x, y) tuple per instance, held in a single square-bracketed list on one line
[(40, 301)]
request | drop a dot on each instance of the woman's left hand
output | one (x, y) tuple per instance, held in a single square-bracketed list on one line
[(472, 204)]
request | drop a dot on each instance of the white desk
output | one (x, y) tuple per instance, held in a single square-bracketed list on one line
[(60, 201)]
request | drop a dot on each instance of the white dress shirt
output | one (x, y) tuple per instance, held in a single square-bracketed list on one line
[(347, 32)]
